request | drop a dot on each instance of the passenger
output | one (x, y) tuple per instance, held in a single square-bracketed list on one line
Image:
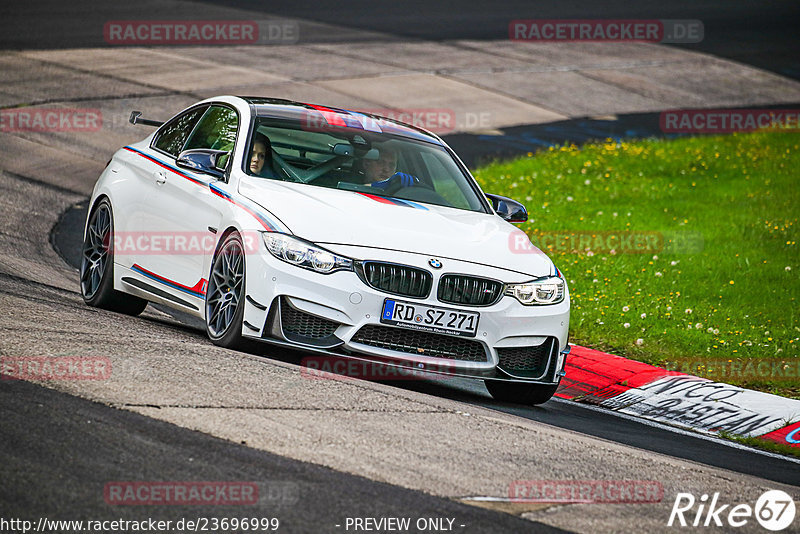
[(261, 156)]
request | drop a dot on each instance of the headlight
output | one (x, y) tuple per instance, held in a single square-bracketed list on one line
[(548, 290), (304, 254)]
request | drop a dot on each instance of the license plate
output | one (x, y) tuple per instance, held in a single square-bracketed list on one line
[(430, 318)]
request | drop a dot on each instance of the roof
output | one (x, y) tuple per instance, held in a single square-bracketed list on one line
[(324, 117)]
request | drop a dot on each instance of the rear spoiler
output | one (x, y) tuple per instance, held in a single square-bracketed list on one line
[(136, 118)]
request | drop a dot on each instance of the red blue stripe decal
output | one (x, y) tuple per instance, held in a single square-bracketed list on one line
[(265, 222), (222, 194), (164, 165), (394, 201), (344, 118), (198, 290), (334, 117)]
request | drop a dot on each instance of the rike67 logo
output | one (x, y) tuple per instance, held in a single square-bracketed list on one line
[(774, 510)]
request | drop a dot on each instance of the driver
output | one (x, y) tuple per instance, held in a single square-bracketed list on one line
[(380, 173)]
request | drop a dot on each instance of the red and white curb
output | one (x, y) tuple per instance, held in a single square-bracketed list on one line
[(678, 399)]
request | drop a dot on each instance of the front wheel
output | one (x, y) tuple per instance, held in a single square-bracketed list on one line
[(224, 296), (528, 394)]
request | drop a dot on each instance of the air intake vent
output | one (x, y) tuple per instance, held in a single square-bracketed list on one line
[(527, 362), (470, 290), (396, 279), (303, 324), (421, 343), (302, 327)]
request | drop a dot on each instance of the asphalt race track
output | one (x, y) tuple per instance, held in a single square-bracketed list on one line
[(68, 233), (178, 408), (743, 31), (305, 497)]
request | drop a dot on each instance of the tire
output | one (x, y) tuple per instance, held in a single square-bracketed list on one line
[(225, 295), (97, 265), (527, 394)]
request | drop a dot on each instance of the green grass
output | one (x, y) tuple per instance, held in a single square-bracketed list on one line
[(725, 284), (763, 444)]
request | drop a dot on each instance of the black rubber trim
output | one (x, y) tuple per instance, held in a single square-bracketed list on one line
[(252, 301)]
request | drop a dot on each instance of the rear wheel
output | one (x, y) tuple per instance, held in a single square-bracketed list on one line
[(516, 392), (224, 297), (97, 266)]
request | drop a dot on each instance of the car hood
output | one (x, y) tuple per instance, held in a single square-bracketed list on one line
[(331, 216)]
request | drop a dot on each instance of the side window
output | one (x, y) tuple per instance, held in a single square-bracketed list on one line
[(173, 135), (217, 130)]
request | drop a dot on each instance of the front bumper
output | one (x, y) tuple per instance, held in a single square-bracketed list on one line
[(339, 315)]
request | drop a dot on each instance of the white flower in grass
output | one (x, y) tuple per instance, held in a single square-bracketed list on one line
[(698, 325), (659, 275), (644, 315), (625, 308), (688, 311), (626, 325), (640, 341)]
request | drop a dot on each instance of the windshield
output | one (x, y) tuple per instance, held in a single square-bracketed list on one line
[(358, 160)]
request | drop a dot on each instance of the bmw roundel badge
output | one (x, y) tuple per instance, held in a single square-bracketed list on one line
[(436, 264)]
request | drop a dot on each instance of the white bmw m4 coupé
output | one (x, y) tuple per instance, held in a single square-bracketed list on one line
[(328, 231)]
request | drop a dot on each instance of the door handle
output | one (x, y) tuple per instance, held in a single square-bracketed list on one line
[(160, 177)]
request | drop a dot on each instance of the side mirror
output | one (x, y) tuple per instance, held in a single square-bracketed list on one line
[(203, 160), (510, 210)]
